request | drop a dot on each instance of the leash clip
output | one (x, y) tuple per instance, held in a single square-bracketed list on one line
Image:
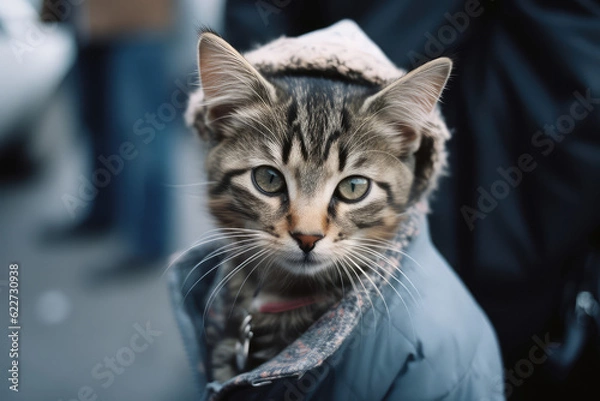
[(242, 346)]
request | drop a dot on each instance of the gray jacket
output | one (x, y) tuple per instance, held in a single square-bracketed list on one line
[(434, 344)]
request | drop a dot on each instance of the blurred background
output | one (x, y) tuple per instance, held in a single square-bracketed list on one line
[(100, 182)]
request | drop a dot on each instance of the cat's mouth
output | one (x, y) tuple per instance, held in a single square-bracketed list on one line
[(307, 264)]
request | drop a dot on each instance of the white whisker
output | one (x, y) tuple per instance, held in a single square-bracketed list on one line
[(398, 269), (217, 266), (246, 279), (374, 287), (218, 252), (390, 246), (399, 296), (195, 184), (214, 235), (226, 279)]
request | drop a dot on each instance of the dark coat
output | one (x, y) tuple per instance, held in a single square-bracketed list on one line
[(522, 197)]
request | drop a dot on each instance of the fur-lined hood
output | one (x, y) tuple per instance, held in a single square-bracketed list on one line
[(342, 49)]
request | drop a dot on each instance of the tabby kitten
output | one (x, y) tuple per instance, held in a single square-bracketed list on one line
[(305, 166)]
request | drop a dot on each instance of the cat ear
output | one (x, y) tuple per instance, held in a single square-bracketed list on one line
[(228, 80), (408, 102), (417, 129)]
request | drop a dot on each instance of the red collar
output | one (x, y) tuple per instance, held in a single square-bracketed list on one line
[(287, 305)]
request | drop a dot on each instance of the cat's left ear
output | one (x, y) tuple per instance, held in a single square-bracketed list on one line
[(228, 81), (408, 102)]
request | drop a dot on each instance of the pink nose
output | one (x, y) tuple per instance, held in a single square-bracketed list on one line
[(306, 242)]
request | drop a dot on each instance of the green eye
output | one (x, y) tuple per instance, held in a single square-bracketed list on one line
[(268, 180), (353, 189)]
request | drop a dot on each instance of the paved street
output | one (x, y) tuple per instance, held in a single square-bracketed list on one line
[(75, 316)]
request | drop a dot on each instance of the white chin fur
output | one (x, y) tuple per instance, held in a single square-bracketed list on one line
[(303, 268)]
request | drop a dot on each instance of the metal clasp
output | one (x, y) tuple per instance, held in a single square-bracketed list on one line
[(242, 346)]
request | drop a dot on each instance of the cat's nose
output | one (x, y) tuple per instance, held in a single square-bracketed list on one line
[(306, 242)]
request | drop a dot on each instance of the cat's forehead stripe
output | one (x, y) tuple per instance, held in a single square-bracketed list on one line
[(317, 116), (330, 140), (343, 157)]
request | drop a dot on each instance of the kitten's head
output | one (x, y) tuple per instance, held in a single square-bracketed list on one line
[(319, 166)]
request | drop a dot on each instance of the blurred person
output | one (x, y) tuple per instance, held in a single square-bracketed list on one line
[(517, 215), (124, 76)]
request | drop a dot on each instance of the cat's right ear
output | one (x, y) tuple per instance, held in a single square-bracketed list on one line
[(228, 82)]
